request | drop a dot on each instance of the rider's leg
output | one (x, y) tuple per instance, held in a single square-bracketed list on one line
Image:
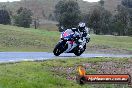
[(80, 43)]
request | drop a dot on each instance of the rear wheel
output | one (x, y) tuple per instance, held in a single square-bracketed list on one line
[(78, 51)]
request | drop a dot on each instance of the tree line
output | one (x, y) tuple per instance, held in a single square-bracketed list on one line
[(118, 23), (68, 14), (100, 20), (22, 18)]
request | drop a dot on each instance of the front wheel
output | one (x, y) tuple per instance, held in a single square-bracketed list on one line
[(58, 49)]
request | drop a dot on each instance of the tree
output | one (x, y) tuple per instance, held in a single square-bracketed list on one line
[(67, 13), (43, 14), (94, 20), (23, 17), (128, 7), (101, 2), (127, 3), (121, 21), (99, 20), (4, 17), (105, 22), (51, 17)]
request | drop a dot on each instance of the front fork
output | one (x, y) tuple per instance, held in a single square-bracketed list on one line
[(63, 44)]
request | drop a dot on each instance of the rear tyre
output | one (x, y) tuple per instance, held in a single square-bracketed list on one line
[(78, 51)]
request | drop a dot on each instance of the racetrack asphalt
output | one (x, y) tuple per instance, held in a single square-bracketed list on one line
[(33, 56)]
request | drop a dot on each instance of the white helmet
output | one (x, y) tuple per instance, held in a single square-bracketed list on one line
[(81, 26)]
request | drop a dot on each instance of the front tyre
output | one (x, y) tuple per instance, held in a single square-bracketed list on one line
[(59, 48)]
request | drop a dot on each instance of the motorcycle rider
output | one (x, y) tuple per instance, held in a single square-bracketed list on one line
[(84, 34)]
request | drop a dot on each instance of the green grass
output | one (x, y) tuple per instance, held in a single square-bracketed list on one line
[(40, 74), (28, 39), (123, 42), (30, 75)]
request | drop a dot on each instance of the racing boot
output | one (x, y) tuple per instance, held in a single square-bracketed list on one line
[(81, 47)]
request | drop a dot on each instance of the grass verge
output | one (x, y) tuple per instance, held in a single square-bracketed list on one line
[(58, 73)]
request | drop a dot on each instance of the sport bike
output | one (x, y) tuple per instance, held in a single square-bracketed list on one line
[(68, 44)]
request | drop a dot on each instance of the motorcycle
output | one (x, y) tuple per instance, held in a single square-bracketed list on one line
[(68, 44)]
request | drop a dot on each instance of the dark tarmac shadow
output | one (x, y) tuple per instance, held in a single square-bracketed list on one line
[(66, 56)]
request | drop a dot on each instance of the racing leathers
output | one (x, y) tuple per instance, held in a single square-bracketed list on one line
[(84, 37)]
